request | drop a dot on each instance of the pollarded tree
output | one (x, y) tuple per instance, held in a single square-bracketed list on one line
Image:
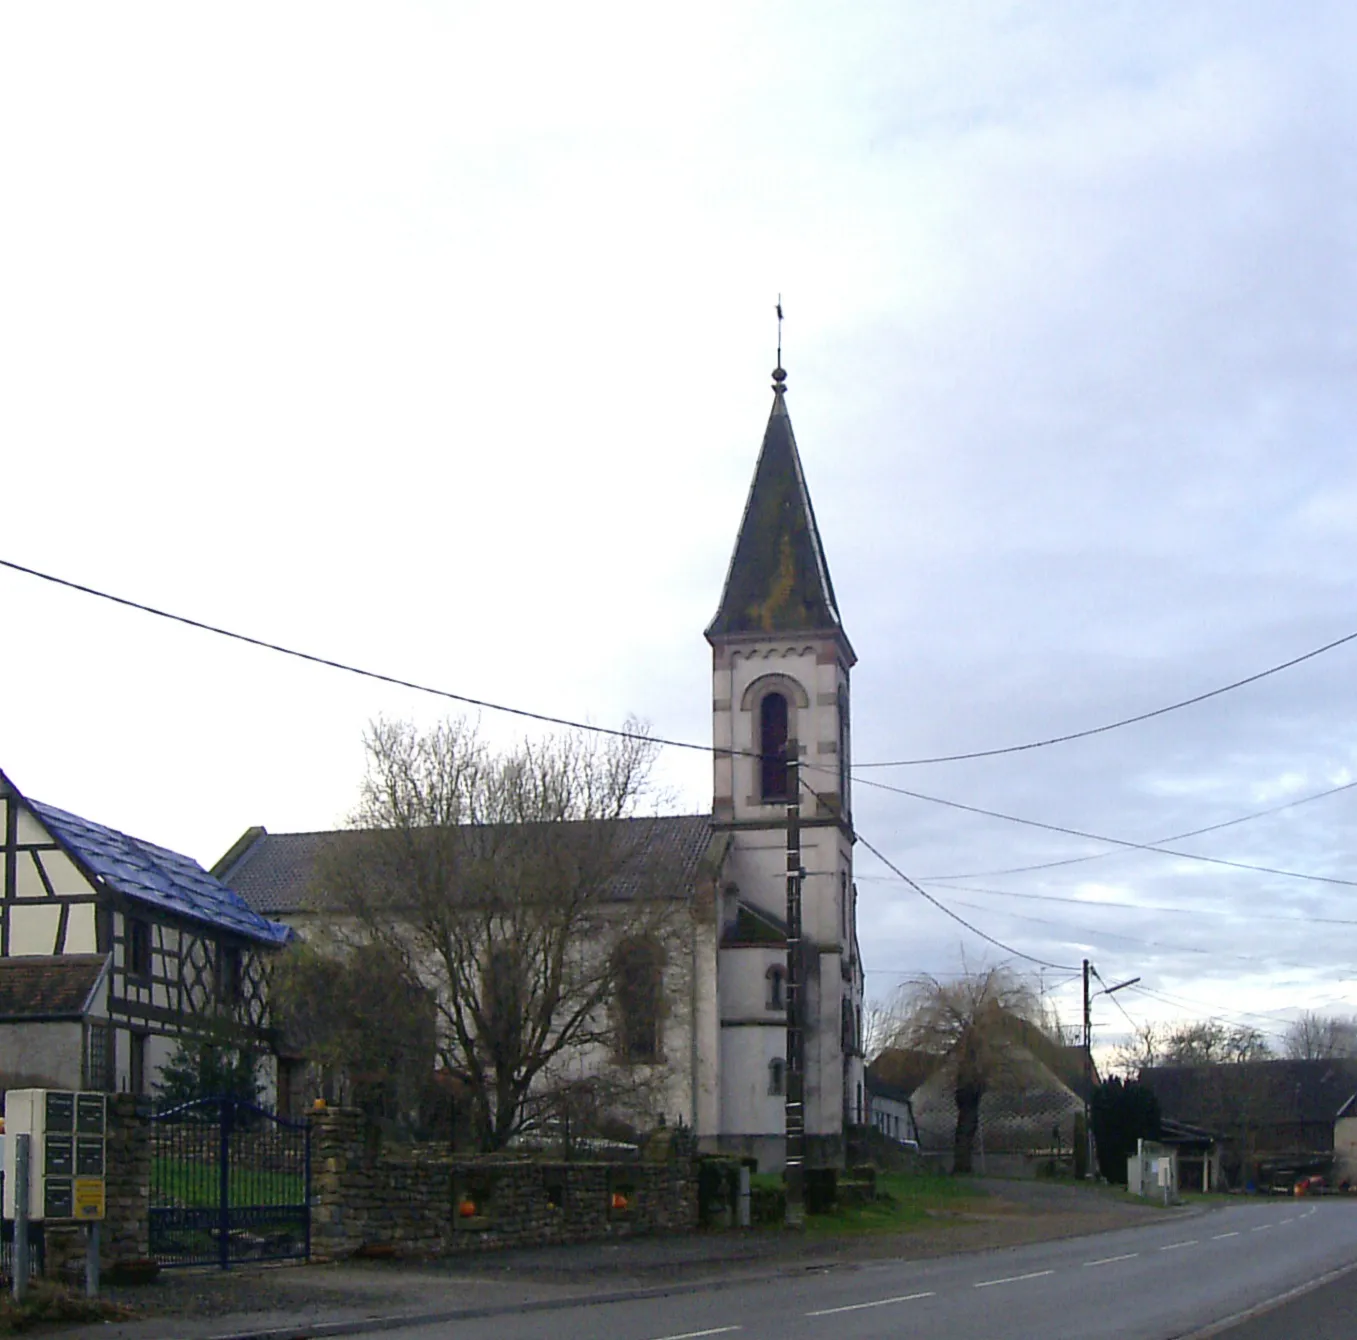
[(974, 1021), (521, 888)]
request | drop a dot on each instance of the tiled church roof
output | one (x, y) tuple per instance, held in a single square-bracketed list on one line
[(276, 873)]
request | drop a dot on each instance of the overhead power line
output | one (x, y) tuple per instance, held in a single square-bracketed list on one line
[(621, 733), (1116, 842), (1087, 934), (923, 893), (1095, 904), (1124, 721), (1173, 837), (379, 676)]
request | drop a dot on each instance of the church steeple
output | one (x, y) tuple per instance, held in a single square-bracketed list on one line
[(778, 581)]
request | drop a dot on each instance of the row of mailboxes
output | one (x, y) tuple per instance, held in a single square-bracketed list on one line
[(67, 1150)]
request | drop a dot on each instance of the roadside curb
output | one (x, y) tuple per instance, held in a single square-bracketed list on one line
[(397, 1320), (1267, 1305)]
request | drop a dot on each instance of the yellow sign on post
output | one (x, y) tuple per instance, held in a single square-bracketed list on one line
[(89, 1198)]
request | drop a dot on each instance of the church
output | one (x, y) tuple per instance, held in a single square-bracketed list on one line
[(781, 665)]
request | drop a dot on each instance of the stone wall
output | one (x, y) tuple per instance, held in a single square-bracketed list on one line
[(423, 1200)]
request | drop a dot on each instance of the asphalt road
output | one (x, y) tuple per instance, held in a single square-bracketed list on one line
[(1152, 1283)]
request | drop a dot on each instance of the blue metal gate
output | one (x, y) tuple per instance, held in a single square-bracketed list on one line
[(229, 1182)]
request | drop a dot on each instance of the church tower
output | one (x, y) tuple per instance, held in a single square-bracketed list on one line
[(780, 674)]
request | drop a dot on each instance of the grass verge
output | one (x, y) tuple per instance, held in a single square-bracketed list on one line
[(903, 1201)]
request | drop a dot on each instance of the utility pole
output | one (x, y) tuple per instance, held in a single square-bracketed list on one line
[(1088, 1074), (794, 1170)]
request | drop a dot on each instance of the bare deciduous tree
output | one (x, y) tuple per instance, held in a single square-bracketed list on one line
[(1209, 1042), (972, 1021), (1321, 1037), (520, 889), (1144, 1050)]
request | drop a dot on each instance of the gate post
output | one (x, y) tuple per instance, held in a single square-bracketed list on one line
[(225, 1116)]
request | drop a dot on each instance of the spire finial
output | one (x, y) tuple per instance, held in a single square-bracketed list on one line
[(779, 376)]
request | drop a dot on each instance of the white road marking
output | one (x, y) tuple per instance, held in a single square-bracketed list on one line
[(1107, 1260), (1173, 1246), (696, 1335), (1012, 1279), (857, 1307), (1218, 1236), (1287, 1221), (1258, 1228)]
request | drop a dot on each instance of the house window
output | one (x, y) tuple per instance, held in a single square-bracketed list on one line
[(230, 979), (843, 903), (773, 747), (136, 1063), (777, 979), (137, 947), (777, 1076), (99, 1067), (637, 977)]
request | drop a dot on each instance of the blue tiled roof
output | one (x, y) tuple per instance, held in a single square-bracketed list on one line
[(159, 878)]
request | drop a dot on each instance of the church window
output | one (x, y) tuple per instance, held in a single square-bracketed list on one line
[(637, 993), (777, 978), (844, 774), (773, 726), (777, 1076), (503, 1004)]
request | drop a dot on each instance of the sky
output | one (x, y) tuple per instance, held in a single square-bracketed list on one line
[(435, 338)]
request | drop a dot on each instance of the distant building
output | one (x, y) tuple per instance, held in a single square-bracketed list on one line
[(1273, 1119)]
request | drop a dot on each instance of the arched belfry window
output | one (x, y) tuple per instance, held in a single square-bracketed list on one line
[(773, 747)]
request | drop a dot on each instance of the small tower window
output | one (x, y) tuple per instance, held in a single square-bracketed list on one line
[(845, 774), (777, 979), (773, 747), (777, 1076)]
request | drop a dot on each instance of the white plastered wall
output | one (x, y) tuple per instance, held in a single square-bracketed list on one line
[(811, 675)]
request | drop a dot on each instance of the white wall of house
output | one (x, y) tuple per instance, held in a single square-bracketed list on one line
[(45, 1054)]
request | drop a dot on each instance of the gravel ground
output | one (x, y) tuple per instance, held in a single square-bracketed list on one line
[(1014, 1213)]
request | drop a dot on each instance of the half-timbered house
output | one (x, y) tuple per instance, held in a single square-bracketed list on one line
[(112, 949)]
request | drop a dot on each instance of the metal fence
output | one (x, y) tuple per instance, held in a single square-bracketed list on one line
[(229, 1182)]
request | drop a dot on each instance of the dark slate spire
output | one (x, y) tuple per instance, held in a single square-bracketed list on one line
[(778, 580)]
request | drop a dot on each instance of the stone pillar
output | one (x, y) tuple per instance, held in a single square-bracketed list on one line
[(338, 1159), (126, 1234)]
